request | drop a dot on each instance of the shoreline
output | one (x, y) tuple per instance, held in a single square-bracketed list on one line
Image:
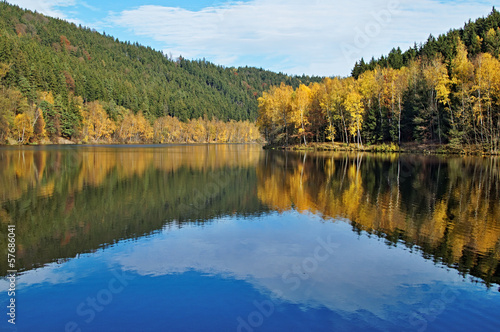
[(418, 148), (63, 141)]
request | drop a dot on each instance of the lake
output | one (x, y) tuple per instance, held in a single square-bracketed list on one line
[(235, 238)]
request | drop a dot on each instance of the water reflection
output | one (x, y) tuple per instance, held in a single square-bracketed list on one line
[(71, 200), (294, 270), (446, 208), (66, 200)]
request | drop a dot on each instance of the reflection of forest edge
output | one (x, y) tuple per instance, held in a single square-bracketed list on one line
[(446, 208), (66, 203)]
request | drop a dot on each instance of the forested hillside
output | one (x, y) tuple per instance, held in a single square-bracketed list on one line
[(479, 36), (54, 74), (445, 92)]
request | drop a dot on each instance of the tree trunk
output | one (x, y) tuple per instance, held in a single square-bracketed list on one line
[(286, 130), (437, 114), (399, 122), (345, 128), (359, 136)]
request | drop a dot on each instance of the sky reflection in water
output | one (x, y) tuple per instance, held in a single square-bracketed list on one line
[(205, 278)]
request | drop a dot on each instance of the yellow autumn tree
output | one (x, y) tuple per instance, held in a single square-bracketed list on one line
[(23, 128), (144, 128), (330, 105), (199, 130), (222, 133), (487, 88), (281, 105), (368, 86), (300, 107), (316, 117), (160, 130), (167, 129), (46, 96), (388, 92), (264, 119), (354, 106), (463, 77), (437, 79), (211, 130), (135, 129), (96, 124), (275, 113)]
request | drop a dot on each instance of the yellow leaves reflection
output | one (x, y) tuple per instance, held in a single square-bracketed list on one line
[(47, 170), (455, 209)]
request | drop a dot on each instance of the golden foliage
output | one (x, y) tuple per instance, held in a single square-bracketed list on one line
[(135, 128), (96, 124), (46, 96), (39, 126), (23, 128), (124, 126), (171, 130), (468, 91)]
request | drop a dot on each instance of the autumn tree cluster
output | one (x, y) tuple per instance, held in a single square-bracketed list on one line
[(97, 122), (445, 91), (430, 100)]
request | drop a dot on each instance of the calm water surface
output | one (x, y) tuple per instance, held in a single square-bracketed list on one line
[(234, 238)]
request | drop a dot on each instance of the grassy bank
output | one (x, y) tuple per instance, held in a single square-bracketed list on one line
[(424, 148)]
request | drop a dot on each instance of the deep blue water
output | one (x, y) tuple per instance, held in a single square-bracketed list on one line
[(277, 272)]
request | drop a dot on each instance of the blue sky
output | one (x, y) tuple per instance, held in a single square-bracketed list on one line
[(315, 37)]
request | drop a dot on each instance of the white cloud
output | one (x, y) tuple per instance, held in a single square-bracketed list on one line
[(322, 37), (297, 36), (46, 7)]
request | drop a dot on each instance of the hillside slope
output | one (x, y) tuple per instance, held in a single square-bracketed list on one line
[(39, 54)]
